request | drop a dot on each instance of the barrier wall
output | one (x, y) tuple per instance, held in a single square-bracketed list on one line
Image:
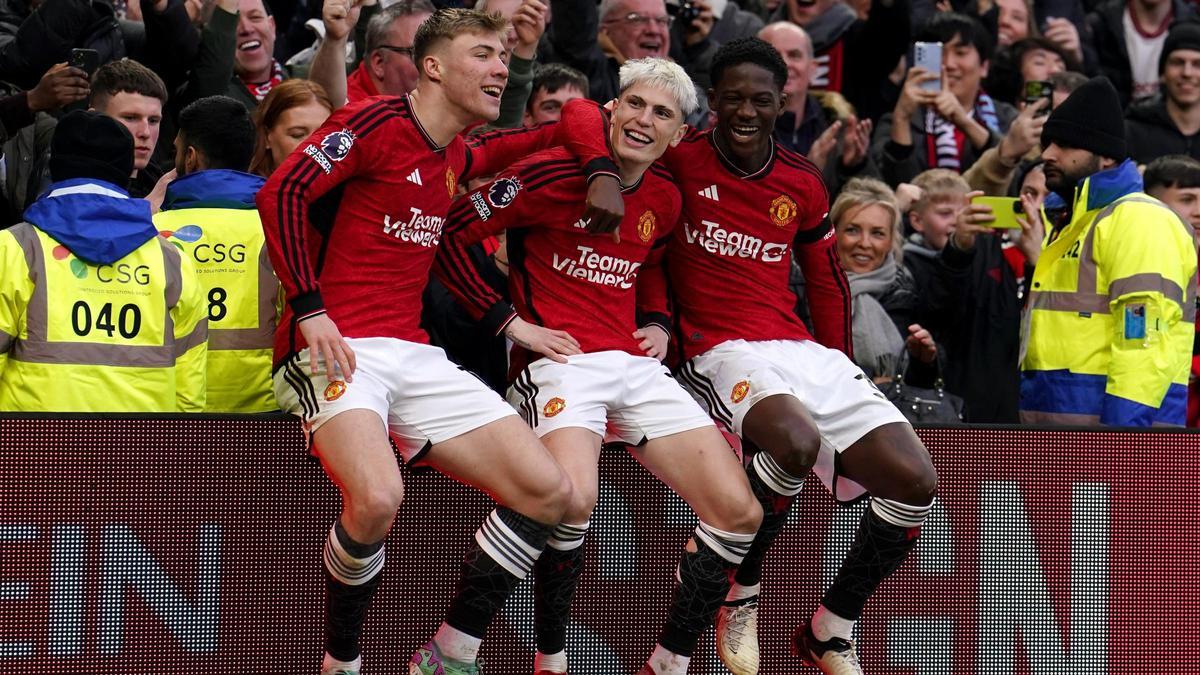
[(193, 546)]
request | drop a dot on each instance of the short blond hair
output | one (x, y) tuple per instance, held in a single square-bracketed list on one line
[(447, 24), (859, 193), (664, 74), (938, 185)]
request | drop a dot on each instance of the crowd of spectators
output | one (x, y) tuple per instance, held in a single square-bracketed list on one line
[(938, 299)]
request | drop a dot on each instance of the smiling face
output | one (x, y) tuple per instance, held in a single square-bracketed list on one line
[(255, 42), (141, 115), (639, 28), (645, 121), (1040, 64), (747, 101), (1013, 21), (864, 238), (471, 71), (1181, 75), (964, 70)]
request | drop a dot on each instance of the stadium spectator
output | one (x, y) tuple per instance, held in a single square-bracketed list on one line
[(970, 296), (840, 149), (730, 21), (951, 127), (553, 85), (287, 116), (209, 213), (133, 95), (527, 23), (97, 312), (1169, 123), (1127, 37), (885, 302), (1029, 60), (854, 56), (387, 62), (35, 35), (1111, 330)]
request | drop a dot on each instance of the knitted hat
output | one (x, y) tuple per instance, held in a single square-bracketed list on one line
[(91, 145), (1182, 35), (1090, 119)]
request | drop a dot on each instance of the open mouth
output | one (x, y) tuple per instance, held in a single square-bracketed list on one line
[(743, 132), (637, 138), (862, 259), (492, 90), (650, 46), (249, 45)]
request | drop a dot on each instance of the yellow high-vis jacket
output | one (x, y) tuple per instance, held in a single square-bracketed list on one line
[(1112, 311), (211, 217), (97, 312)]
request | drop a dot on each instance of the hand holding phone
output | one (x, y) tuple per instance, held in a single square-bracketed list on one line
[(1038, 90), (1004, 211), (87, 60), (928, 56)]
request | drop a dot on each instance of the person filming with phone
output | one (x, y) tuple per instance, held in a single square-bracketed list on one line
[(943, 118), (1110, 315)]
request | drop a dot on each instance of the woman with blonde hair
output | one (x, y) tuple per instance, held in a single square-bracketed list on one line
[(885, 305), (287, 116)]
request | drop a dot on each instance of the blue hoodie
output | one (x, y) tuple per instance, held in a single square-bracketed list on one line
[(98, 228), (213, 189)]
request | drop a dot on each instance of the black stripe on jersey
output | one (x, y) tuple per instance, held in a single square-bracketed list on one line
[(799, 162), (661, 171), (536, 171), (291, 225), (556, 177), (457, 263), (477, 141), (375, 122), (839, 277), (516, 264), (814, 234)]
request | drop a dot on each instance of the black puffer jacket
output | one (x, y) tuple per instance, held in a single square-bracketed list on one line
[(47, 35), (1150, 133)]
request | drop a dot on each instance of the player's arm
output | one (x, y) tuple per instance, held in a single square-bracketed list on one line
[(582, 129), (505, 203), (190, 318), (653, 305), (827, 288), (329, 157), (15, 290), (1147, 295)]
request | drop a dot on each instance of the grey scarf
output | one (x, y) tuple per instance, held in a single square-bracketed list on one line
[(878, 346)]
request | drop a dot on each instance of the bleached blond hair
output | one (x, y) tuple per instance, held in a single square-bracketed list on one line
[(664, 74)]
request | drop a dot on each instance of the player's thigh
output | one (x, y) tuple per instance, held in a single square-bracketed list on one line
[(505, 459), (699, 466), (354, 449), (577, 451), (892, 463)]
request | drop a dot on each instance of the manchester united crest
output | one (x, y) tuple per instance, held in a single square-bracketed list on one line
[(553, 407), (334, 390), (783, 211), (646, 225), (739, 391), (451, 182)]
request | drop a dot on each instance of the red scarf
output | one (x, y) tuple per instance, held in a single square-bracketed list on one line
[(259, 90)]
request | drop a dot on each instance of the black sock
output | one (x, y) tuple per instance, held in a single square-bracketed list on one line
[(504, 551), (703, 582), (556, 577), (879, 548), (352, 574), (775, 508)]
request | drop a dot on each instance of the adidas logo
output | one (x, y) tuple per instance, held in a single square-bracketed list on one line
[(710, 192), (415, 177)]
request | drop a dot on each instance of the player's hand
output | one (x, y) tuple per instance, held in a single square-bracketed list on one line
[(557, 345), (325, 343), (605, 206), (969, 223), (1033, 230), (653, 340), (59, 86), (529, 22), (920, 344), (340, 17)]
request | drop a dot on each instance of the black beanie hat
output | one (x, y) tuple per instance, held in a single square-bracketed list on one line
[(91, 145), (1090, 119), (1182, 35)]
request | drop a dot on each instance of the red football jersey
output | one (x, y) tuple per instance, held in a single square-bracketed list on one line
[(561, 276), (729, 261), (353, 217)]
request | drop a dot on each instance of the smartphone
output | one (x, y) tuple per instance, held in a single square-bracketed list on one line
[(1036, 90), (928, 55), (1005, 209), (87, 60)]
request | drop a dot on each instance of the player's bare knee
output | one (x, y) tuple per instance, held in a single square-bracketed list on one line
[(581, 504), (375, 506), (742, 515), (550, 501), (916, 485), (798, 450)]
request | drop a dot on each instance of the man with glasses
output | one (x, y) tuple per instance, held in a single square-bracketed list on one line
[(387, 66), (623, 30)]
